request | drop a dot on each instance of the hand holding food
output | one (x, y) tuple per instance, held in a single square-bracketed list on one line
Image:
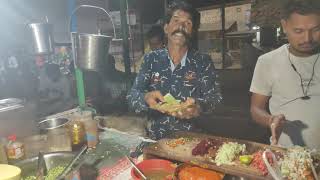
[(152, 98), (189, 110), (176, 108)]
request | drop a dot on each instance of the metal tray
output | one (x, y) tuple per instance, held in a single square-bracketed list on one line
[(10, 104)]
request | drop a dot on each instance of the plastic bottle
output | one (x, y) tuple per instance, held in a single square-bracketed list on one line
[(15, 149), (91, 129), (77, 133)]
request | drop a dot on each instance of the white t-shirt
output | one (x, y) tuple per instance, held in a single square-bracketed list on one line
[(275, 77)]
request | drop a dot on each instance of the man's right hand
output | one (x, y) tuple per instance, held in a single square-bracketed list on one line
[(152, 98), (276, 126)]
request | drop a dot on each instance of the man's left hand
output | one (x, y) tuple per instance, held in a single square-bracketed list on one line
[(192, 110)]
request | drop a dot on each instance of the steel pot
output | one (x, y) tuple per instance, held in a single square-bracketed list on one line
[(53, 123), (42, 36), (91, 50), (57, 132)]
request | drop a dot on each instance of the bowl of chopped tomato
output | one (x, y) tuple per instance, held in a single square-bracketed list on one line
[(155, 169)]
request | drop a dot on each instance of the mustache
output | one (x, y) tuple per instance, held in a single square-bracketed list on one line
[(182, 32)]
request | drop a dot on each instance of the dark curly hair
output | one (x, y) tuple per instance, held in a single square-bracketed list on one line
[(184, 6), (303, 7)]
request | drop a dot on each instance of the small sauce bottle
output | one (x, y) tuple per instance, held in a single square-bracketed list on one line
[(15, 149)]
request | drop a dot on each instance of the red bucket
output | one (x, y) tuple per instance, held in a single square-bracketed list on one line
[(151, 165)]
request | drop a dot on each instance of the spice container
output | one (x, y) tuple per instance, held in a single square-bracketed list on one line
[(15, 149)]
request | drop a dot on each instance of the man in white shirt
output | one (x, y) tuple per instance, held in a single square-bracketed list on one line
[(288, 79)]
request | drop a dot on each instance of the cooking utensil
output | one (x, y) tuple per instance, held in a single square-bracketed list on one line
[(74, 160), (89, 50), (29, 166), (10, 104), (53, 123), (42, 36), (58, 136), (137, 169), (42, 168), (164, 168), (275, 172)]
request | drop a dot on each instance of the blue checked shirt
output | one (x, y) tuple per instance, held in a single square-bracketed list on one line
[(194, 77)]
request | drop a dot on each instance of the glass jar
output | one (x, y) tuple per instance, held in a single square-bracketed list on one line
[(90, 127)]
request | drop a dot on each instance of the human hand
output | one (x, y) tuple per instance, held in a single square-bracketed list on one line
[(152, 98), (276, 126), (189, 110)]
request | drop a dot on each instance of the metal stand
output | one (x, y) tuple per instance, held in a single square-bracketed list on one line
[(80, 88), (78, 71)]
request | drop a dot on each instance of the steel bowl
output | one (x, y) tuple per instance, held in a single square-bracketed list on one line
[(53, 123), (29, 166)]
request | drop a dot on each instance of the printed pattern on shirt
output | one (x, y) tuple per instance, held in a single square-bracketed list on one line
[(196, 79)]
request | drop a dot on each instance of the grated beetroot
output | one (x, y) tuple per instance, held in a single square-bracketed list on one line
[(203, 147)]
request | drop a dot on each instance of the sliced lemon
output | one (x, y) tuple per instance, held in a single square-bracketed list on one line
[(245, 159)]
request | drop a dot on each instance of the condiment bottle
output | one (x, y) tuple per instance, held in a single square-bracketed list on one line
[(77, 133), (15, 149)]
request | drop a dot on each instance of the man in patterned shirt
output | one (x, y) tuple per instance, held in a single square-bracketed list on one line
[(179, 70)]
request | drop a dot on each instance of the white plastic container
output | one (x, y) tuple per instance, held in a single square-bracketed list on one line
[(9, 172)]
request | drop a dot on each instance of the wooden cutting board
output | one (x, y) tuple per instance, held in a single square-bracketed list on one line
[(183, 153)]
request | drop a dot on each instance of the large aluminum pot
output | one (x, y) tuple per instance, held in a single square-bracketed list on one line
[(42, 36), (29, 166), (91, 50)]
